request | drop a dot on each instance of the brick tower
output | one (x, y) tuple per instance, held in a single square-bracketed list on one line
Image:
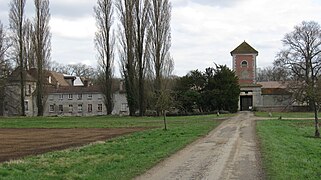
[(244, 63)]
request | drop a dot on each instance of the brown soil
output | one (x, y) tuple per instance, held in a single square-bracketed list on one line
[(17, 143)]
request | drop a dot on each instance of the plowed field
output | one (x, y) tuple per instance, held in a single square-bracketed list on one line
[(17, 143)]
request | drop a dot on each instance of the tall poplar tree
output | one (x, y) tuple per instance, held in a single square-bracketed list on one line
[(42, 47), (104, 42), (4, 70), (127, 51), (160, 33), (134, 26), (16, 23), (142, 24)]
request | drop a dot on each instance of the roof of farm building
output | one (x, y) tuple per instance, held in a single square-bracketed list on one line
[(244, 48), (273, 84), (74, 89), (274, 88), (15, 76)]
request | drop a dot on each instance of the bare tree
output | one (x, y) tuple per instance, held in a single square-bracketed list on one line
[(142, 23), (273, 73), (302, 55), (160, 33), (80, 70), (16, 20), (104, 42), (127, 53), (4, 65), (4, 43), (163, 103), (164, 100), (134, 25), (28, 42), (42, 47)]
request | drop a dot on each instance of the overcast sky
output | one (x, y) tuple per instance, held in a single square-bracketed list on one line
[(203, 31)]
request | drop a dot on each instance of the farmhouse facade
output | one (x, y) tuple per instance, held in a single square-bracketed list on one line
[(264, 96), (62, 96)]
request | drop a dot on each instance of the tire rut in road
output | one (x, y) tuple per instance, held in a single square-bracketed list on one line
[(228, 152)]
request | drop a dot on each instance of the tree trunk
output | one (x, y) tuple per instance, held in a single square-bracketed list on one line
[(22, 95), (108, 93), (316, 119), (165, 122), (141, 94), (22, 83), (40, 90)]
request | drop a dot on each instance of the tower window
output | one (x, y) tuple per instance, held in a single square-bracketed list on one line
[(244, 64)]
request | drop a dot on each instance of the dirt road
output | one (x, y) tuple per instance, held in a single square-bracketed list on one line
[(228, 152)]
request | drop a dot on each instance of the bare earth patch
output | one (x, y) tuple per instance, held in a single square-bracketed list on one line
[(17, 143)]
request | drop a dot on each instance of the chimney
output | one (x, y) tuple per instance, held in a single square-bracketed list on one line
[(86, 83), (57, 85), (121, 84)]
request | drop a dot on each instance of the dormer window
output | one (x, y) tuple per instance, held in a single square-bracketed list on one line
[(244, 64)]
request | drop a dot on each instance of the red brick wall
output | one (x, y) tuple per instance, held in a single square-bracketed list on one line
[(245, 78)]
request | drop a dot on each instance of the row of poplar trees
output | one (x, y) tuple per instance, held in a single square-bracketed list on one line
[(27, 45), (141, 29)]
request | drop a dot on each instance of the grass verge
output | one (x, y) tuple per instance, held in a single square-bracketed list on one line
[(98, 121), (286, 114), (289, 151), (119, 158)]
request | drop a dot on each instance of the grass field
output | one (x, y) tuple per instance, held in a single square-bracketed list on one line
[(119, 158), (286, 114), (289, 151)]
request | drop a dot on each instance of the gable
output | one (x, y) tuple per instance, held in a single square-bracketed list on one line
[(244, 48)]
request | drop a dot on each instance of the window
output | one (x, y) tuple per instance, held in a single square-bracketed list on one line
[(61, 108), (26, 106), (61, 96), (71, 108), (244, 63), (79, 107), (90, 96), (51, 108), (90, 107), (70, 96), (124, 107), (100, 107), (79, 96)]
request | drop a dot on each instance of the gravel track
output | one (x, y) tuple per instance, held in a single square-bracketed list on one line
[(228, 152)]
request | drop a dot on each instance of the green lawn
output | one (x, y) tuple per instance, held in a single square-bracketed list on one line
[(286, 114), (120, 158), (289, 150)]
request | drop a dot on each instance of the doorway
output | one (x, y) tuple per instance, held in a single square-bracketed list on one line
[(246, 103)]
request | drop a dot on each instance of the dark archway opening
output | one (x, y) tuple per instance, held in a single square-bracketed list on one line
[(246, 103)]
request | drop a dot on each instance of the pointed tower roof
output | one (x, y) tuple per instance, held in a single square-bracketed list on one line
[(244, 48)]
